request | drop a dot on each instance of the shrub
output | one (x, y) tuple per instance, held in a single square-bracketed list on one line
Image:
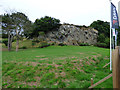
[(104, 45), (52, 44), (23, 47), (61, 44), (107, 41), (44, 45), (33, 44), (84, 44), (5, 42)]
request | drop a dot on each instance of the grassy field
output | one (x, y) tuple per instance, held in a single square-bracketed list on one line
[(55, 67)]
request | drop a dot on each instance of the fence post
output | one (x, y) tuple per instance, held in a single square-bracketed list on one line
[(116, 67)]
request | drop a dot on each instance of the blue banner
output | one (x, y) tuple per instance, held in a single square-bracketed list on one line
[(114, 17)]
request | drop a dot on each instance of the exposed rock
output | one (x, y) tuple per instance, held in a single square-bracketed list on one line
[(73, 35)]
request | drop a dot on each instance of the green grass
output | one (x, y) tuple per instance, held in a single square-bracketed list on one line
[(55, 67)]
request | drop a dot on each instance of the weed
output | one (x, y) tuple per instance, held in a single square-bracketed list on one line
[(4, 84), (30, 80), (60, 71), (94, 59), (9, 72), (59, 63), (61, 84), (89, 58), (67, 69), (9, 86), (19, 71), (60, 68), (16, 79)]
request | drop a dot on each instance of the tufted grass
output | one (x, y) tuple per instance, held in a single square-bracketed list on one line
[(55, 67)]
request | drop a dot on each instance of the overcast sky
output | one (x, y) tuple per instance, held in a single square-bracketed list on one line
[(79, 12)]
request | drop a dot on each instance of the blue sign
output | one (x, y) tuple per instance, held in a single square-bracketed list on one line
[(114, 17)]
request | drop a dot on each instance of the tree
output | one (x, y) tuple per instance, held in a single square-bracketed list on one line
[(28, 29), (103, 32), (7, 28), (102, 27), (45, 24), (20, 21), (15, 24)]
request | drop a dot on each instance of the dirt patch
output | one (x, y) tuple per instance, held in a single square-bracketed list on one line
[(95, 56), (73, 57), (49, 64), (32, 83), (87, 62), (63, 74), (52, 70), (58, 65), (92, 61), (80, 70), (41, 59), (37, 78), (78, 67), (56, 75), (61, 58)]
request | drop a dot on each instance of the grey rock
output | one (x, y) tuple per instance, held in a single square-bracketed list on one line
[(72, 35)]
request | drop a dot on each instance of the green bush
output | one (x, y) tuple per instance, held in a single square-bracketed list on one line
[(61, 44), (104, 45), (5, 42), (33, 43), (107, 41), (23, 47), (84, 44), (44, 45), (52, 44)]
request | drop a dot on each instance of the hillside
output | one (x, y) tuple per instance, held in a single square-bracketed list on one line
[(55, 67)]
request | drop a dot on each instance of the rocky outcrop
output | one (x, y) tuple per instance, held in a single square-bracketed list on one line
[(72, 35)]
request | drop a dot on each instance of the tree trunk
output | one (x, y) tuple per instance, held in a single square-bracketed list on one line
[(17, 45), (17, 41), (9, 41)]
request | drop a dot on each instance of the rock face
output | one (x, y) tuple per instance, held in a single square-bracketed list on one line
[(72, 35)]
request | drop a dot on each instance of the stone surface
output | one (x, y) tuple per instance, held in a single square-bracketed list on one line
[(72, 35)]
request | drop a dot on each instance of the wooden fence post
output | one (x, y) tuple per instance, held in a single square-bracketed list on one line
[(116, 67)]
